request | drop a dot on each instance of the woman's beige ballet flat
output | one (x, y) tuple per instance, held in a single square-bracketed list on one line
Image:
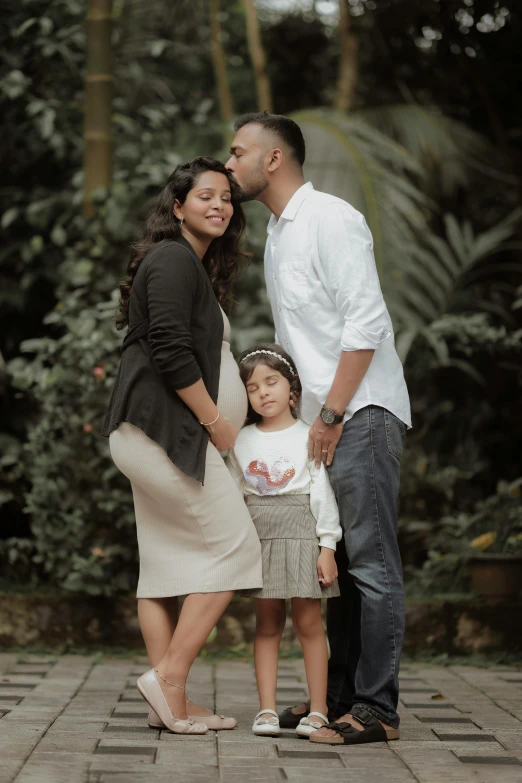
[(214, 722), (154, 721), (217, 722), (149, 688)]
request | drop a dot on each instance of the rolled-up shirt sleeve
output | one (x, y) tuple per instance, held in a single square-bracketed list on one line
[(172, 284), (347, 268)]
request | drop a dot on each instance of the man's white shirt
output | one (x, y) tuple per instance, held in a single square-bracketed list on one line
[(325, 295)]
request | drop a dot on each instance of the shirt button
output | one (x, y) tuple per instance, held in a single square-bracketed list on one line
[(273, 244)]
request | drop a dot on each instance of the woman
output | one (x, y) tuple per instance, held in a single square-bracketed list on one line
[(177, 402)]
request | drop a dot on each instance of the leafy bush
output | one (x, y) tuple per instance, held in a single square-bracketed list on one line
[(494, 526), (81, 507), (82, 521), (58, 275)]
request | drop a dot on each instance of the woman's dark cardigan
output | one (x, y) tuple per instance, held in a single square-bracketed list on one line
[(174, 339)]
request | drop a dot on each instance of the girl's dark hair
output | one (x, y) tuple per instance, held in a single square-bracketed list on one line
[(224, 259), (247, 367)]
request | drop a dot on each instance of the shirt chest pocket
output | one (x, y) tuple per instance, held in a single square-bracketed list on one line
[(294, 287)]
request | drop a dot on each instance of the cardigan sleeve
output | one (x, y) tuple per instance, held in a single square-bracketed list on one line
[(172, 282)]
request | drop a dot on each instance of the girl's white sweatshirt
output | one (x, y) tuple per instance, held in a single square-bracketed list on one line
[(276, 463)]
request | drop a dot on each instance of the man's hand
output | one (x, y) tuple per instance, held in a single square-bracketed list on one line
[(322, 441), (323, 438)]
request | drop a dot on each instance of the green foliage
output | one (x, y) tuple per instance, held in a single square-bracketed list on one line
[(391, 163), (81, 510), (493, 526), (442, 212), (56, 273), (447, 150), (80, 506)]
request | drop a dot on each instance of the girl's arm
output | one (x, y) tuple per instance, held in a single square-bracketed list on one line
[(324, 507), (329, 532)]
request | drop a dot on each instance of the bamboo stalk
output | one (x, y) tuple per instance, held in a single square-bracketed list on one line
[(226, 105), (257, 54), (348, 61), (98, 102)]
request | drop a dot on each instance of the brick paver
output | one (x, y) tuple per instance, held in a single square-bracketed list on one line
[(80, 720)]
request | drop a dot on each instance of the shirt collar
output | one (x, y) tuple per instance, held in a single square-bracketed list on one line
[(291, 209)]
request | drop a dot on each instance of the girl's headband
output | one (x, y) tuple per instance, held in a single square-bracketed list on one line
[(271, 353)]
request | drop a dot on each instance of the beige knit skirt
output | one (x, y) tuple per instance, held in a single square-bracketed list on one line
[(290, 547), (192, 538)]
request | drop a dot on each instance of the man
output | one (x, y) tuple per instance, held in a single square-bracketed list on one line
[(330, 316)]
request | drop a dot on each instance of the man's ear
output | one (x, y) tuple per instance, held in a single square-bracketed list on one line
[(276, 158)]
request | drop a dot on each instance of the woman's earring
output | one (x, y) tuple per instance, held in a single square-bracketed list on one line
[(181, 223)]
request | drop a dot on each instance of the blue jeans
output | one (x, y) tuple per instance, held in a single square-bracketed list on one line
[(365, 624)]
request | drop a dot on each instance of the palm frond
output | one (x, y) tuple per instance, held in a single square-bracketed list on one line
[(420, 271), (349, 158), (446, 149)]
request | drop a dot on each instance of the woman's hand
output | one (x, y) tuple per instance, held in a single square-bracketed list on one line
[(326, 567), (222, 434)]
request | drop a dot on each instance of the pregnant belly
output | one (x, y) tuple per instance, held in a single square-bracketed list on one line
[(232, 396)]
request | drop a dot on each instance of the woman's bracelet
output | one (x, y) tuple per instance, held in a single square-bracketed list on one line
[(210, 422)]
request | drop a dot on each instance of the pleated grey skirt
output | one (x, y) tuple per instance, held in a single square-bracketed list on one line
[(289, 548)]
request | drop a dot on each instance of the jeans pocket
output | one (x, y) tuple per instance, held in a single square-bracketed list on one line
[(395, 431)]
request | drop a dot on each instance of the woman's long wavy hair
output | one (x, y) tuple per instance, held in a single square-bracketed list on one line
[(224, 260)]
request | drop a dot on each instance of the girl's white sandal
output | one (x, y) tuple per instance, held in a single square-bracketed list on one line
[(266, 727), (307, 726)]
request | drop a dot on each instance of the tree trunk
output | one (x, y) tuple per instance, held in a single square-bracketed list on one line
[(98, 98), (348, 62), (220, 66), (257, 53)]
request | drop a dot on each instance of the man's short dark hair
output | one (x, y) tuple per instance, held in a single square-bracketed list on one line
[(286, 129)]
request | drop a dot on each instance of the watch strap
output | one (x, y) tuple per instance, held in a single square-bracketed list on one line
[(338, 417)]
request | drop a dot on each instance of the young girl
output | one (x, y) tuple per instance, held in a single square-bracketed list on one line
[(294, 511)]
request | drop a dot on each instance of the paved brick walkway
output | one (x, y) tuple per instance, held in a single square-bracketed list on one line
[(75, 720)]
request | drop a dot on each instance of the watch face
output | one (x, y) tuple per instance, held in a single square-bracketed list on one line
[(328, 416)]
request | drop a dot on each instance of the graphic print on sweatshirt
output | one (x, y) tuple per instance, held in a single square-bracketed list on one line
[(269, 480)]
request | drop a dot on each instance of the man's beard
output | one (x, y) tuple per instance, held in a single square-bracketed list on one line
[(251, 190)]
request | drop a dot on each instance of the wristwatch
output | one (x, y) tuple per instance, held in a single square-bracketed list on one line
[(331, 417)]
